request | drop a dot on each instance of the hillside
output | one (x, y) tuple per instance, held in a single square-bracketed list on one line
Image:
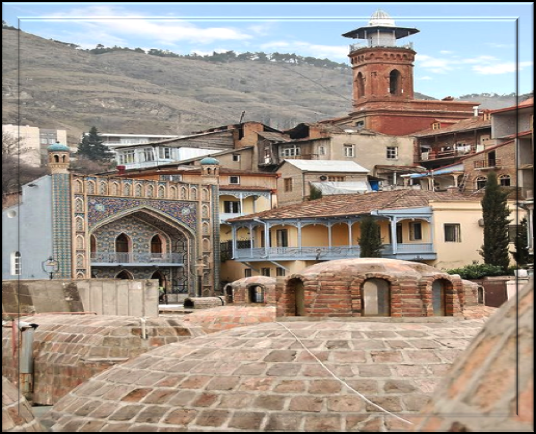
[(133, 92)]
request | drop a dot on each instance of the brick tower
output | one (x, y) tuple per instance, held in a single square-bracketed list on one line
[(381, 69), (383, 96)]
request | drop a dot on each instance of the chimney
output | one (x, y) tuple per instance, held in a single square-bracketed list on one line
[(121, 170), (475, 110)]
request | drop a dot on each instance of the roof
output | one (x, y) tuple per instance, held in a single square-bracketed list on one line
[(358, 204), (473, 123), (56, 147), (276, 137), (331, 166), (527, 103), (243, 188), (209, 160)]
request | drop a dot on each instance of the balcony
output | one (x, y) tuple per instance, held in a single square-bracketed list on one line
[(487, 164), (420, 251), (229, 215), (111, 259)]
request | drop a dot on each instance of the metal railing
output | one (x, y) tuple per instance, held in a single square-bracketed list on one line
[(136, 258), (483, 164)]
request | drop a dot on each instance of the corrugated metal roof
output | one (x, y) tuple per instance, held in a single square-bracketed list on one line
[(332, 166)]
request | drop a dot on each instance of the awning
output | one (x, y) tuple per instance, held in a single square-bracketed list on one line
[(353, 187)]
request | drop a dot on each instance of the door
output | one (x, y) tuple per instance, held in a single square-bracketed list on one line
[(376, 298)]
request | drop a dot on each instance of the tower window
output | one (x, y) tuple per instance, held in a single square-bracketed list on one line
[(394, 82)]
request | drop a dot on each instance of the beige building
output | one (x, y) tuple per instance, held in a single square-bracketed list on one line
[(34, 141), (442, 229)]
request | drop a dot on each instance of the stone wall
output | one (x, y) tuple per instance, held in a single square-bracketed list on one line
[(70, 349), (104, 296), (238, 292)]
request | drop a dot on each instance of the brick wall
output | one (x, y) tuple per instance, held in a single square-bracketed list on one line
[(240, 290), (17, 414)]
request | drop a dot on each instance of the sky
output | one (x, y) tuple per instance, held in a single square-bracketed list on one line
[(462, 48)]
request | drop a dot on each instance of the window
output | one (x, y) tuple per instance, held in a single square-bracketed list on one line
[(127, 157), (280, 272), (436, 126), (231, 207), (415, 231), (265, 272), (164, 153), (122, 244), (256, 294), (504, 180), (172, 178), (349, 150), (288, 184), (289, 151), (394, 82), (392, 152), (234, 179), (16, 264), (148, 154), (236, 157), (247, 272), (336, 178), (452, 232), (480, 182), (282, 237), (321, 150)]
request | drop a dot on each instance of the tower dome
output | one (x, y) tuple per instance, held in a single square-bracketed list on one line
[(209, 160), (58, 147), (382, 19)]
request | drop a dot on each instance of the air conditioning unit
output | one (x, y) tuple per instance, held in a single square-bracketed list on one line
[(323, 178)]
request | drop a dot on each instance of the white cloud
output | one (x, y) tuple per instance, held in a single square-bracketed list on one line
[(480, 59), (426, 77), (495, 45), (501, 68), (116, 21), (434, 64), (446, 52)]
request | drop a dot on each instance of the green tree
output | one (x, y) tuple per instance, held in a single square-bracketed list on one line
[(315, 193), (92, 148), (495, 213), (521, 254), (370, 241)]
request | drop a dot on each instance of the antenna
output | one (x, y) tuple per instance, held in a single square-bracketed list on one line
[(242, 117)]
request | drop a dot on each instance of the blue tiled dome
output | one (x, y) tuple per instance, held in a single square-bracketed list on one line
[(209, 160), (58, 147)]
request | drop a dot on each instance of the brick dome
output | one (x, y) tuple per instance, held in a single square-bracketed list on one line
[(70, 349), (261, 379), (17, 414)]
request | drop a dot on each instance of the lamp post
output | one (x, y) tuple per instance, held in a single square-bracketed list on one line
[(50, 266)]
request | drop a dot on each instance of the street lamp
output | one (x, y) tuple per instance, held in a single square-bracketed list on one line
[(50, 266)]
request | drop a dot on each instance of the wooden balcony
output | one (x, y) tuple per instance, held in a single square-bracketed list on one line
[(487, 164)]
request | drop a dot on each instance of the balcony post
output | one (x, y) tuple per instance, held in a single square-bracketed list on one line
[(251, 239), (329, 234), (350, 223), (393, 221), (299, 235), (233, 243), (240, 197)]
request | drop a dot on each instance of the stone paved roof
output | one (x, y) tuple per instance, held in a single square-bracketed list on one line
[(490, 388), (69, 349), (17, 414), (261, 379), (355, 204), (228, 317)]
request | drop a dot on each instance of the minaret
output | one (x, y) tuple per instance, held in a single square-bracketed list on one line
[(381, 69), (58, 158)]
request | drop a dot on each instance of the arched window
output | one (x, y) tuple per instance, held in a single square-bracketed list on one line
[(122, 244), (79, 204), (126, 190), (173, 192), (394, 82), (91, 187), (150, 191), (79, 224), (124, 274), (376, 298), (138, 190), (438, 298), (161, 192), (78, 186), (102, 188), (56, 159), (504, 180), (93, 245), (184, 193), (156, 245), (360, 84), (115, 189), (480, 182), (194, 194), (79, 242)]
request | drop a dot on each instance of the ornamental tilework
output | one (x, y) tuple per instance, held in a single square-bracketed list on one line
[(61, 223), (101, 208), (138, 231)]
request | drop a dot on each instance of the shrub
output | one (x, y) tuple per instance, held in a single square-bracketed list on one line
[(477, 271)]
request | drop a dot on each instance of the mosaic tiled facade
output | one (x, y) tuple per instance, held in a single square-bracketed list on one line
[(169, 230)]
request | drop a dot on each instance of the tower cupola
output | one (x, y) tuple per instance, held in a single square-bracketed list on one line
[(58, 158)]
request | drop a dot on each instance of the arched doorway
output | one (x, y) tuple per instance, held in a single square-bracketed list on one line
[(124, 274), (122, 248), (439, 299), (228, 291), (162, 285), (394, 82), (376, 298), (256, 294), (93, 246), (299, 298)]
